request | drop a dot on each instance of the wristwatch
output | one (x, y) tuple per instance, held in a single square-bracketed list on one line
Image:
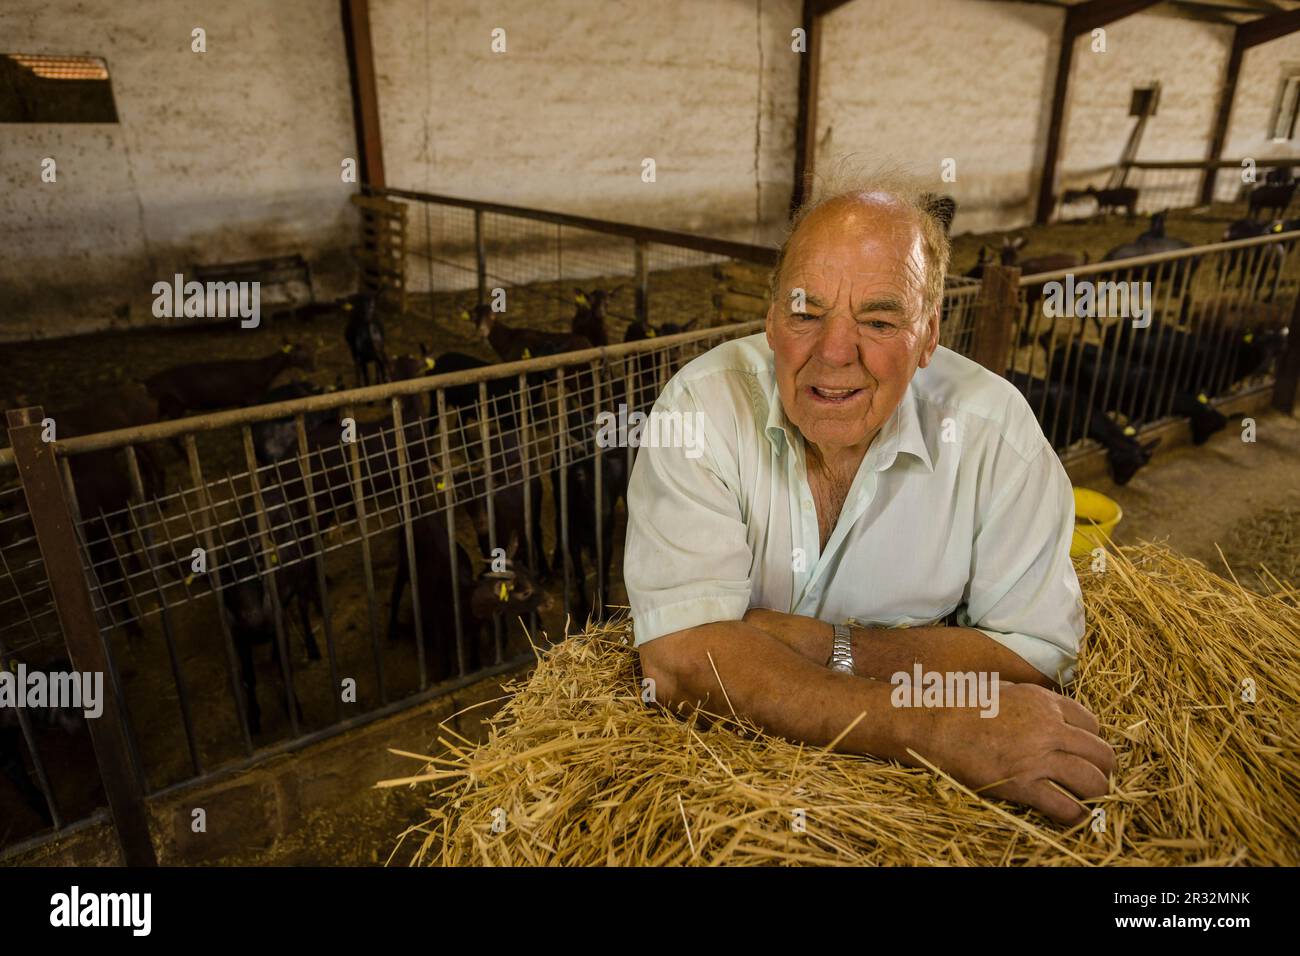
[(841, 659)]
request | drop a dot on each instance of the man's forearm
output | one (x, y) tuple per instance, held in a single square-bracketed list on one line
[(880, 653), (776, 687)]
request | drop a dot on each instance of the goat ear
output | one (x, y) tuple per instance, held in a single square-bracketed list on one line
[(1018, 242)]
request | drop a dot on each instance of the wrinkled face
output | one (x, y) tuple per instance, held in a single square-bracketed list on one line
[(846, 353)]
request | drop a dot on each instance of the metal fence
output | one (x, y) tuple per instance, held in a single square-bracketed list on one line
[(1219, 320), (200, 588), (1181, 184)]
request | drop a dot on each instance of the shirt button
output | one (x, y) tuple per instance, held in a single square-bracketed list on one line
[(807, 505)]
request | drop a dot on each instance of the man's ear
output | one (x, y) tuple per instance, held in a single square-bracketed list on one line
[(767, 329), (931, 338)]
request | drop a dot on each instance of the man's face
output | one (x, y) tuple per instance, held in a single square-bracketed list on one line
[(844, 360)]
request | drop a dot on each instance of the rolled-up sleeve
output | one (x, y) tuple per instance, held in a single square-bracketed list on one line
[(1023, 591), (686, 560)]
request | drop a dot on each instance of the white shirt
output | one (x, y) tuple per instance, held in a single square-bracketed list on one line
[(960, 504)]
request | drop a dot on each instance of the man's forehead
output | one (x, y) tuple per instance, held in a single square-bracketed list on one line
[(861, 240)]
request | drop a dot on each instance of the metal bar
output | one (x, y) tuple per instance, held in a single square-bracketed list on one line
[(599, 504), (57, 541), (484, 430), (313, 519), (209, 522), (449, 504), (270, 569), (408, 533), (642, 282), (562, 476), (367, 563)]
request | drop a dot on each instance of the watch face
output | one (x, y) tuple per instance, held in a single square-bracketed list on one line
[(844, 667)]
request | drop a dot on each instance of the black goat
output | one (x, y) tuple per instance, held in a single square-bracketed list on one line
[(200, 386), (582, 504), (942, 208), (244, 572), (1060, 409), (643, 368), (365, 337), (589, 319), (1108, 200), (1274, 198), (511, 591)]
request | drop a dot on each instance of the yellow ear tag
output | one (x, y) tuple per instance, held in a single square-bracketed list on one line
[(527, 354), (275, 559), (1130, 431), (580, 299), (1202, 399), (1248, 337), (189, 579), (286, 349), (428, 362), (442, 486), (464, 314), (650, 333), (502, 593), (347, 306)]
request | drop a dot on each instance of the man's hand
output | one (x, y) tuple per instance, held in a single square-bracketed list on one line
[(1037, 739)]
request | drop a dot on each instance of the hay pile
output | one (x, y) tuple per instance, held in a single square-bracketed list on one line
[(577, 771)]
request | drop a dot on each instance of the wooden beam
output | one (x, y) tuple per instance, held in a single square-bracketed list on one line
[(805, 139), (1246, 36), (1079, 19), (365, 97)]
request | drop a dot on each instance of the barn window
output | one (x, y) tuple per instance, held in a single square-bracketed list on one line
[(45, 88), (1145, 100), (1285, 116)]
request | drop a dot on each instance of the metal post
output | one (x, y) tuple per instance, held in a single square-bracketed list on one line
[(39, 473), (480, 255)]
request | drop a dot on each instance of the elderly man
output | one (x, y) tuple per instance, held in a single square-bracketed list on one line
[(854, 486)]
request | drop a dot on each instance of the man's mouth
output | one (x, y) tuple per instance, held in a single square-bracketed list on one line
[(835, 396)]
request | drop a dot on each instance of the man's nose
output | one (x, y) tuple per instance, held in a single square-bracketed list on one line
[(838, 343)]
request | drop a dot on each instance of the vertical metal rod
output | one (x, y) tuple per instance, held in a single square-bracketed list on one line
[(359, 501), (484, 430), (270, 570), (408, 528), (182, 689), (563, 476), (209, 519), (449, 504), (525, 458), (322, 584), (428, 248), (597, 377)]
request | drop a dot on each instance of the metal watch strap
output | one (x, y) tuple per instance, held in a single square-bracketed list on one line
[(841, 658)]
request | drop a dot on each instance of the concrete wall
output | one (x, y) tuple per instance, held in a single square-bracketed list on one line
[(902, 85), (1258, 83), (229, 154), (583, 93)]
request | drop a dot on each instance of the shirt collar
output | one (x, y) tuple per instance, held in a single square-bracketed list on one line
[(901, 433)]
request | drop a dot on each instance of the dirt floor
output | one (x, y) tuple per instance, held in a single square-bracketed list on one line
[(1243, 497)]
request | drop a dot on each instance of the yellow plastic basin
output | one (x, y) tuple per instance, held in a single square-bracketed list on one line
[(1095, 517)]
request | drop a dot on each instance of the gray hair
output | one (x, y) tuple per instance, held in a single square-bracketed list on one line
[(881, 187)]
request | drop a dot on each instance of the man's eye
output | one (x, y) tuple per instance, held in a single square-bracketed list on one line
[(881, 325)]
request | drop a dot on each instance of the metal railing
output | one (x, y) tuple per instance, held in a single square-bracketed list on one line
[(1181, 184)]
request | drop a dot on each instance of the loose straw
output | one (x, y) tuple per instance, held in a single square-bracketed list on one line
[(577, 771)]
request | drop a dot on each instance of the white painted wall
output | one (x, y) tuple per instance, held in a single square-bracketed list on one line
[(230, 154), (917, 82), (1253, 108), (582, 94)]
